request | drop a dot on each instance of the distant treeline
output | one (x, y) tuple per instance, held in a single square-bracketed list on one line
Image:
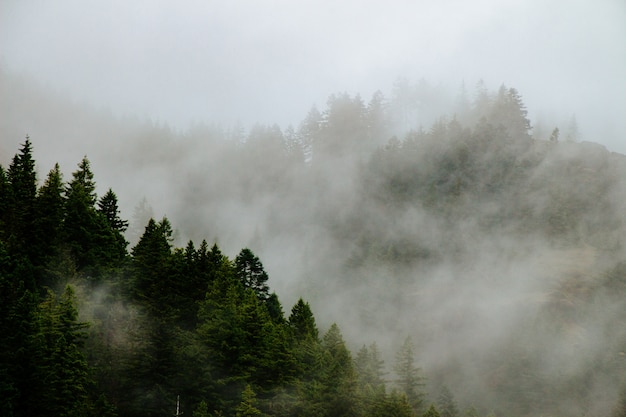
[(90, 327)]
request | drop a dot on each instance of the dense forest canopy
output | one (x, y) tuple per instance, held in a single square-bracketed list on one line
[(429, 256)]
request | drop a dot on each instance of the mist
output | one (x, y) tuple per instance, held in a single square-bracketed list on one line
[(270, 61), (199, 113)]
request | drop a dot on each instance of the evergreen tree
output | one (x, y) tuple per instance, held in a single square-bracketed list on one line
[(50, 209), (63, 366), (274, 309), (302, 322), (107, 206), (90, 238), (150, 261), (431, 412), (554, 136), (251, 274), (446, 404), (18, 329), (510, 112), (309, 132), (369, 367), (21, 195), (247, 407), (4, 203), (338, 377), (393, 405), (409, 380)]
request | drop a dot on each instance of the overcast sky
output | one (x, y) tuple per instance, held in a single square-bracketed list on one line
[(270, 61)]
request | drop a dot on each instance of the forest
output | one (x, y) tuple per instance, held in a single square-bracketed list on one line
[(441, 257)]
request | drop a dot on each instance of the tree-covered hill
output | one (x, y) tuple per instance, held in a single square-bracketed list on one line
[(472, 262)]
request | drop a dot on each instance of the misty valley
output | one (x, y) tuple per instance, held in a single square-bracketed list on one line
[(413, 255)]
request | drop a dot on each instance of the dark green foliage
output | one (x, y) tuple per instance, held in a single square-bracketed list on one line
[(302, 323), (50, 209), (94, 242), (20, 196), (18, 328), (190, 322), (151, 256), (63, 367), (251, 274), (108, 207)]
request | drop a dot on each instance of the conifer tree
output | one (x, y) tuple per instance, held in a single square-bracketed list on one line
[(251, 274), (4, 202), (409, 380), (432, 412), (369, 368), (302, 322), (446, 404), (50, 209), (151, 256), (338, 377), (21, 194), (247, 406), (63, 366), (86, 231)]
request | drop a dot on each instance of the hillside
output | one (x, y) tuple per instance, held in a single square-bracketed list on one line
[(490, 255)]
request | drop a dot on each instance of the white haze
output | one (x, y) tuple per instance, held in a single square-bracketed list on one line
[(269, 61), (174, 76)]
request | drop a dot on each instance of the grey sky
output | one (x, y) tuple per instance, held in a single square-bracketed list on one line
[(270, 61)]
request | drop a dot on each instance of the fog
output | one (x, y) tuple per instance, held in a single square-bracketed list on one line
[(161, 97), (269, 61)]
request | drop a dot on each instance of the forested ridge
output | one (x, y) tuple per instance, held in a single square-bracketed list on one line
[(476, 267)]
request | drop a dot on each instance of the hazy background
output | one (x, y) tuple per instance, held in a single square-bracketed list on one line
[(269, 61), (148, 90)]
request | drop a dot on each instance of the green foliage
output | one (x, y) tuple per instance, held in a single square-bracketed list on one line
[(431, 412), (446, 403), (393, 405), (247, 406), (192, 322), (251, 274), (20, 194), (94, 242), (369, 367), (409, 380), (301, 321), (50, 209)]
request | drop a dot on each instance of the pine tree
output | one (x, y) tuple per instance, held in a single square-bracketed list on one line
[(18, 327), (21, 194), (107, 205), (50, 209), (369, 367), (393, 405), (251, 274), (64, 367), (338, 378), (90, 238), (432, 412), (446, 403), (409, 380), (247, 407), (4, 203), (302, 322), (150, 261)]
